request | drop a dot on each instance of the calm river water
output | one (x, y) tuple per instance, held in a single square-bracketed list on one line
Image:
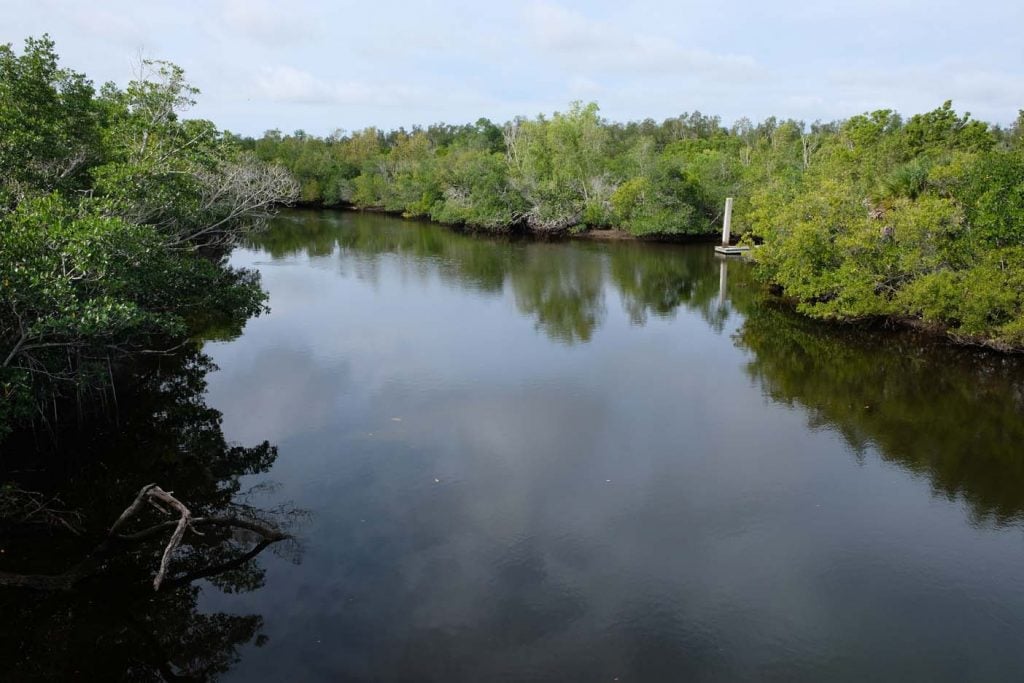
[(599, 462), (583, 461)]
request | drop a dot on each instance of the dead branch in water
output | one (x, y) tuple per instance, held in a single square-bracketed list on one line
[(166, 503), (184, 522)]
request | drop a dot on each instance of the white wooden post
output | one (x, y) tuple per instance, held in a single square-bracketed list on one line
[(727, 222)]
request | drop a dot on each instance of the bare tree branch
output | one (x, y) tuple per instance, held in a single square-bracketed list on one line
[(151, 493)]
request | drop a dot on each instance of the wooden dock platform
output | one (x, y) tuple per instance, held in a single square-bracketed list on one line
[(731, 250)]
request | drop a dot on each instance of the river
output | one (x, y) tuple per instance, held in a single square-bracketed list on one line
[(585, 461)]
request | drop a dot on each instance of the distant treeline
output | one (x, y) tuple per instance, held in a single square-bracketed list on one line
[(570, 171), (873, 216)]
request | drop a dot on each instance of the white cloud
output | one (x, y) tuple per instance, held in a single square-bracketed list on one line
[(271, 23), (117, 27), (585, 87), (288, 84), (589, 45), (916, 88)]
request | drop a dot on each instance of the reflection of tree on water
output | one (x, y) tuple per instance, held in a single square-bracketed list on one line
[(480, 262), (658, 279), (112, 633), (560, 285), (562, 289), (955, 416), (111, 625)]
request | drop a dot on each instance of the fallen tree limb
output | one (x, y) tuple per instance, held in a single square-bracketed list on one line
[(157, 493), (130, 511), (214, 570), (151, 494), (263, 530)]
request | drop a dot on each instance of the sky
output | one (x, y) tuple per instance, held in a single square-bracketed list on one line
[(321, 66)]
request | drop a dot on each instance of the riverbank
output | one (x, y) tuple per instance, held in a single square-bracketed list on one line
[(601, 233), (881, 324)]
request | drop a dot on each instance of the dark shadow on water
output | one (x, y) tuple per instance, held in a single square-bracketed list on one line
[(111, 625)]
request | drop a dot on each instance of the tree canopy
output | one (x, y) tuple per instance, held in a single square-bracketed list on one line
[(114, 215)]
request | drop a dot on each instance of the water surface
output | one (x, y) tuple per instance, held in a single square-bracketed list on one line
[(547, 461), (582, 461)]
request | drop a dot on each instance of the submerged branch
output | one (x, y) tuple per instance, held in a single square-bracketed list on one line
[(151, 494)]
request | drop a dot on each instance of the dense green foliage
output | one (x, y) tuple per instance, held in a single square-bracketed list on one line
[(570, 171), (114, 215), (874, 216), (920, 220)]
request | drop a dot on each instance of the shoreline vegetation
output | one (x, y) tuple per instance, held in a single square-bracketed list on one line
[(116, 217), (876, 217)]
